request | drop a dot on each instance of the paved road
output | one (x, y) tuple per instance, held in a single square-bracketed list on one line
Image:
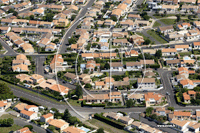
[(22, 123), (10, 52), (39, 65), (73, 27)]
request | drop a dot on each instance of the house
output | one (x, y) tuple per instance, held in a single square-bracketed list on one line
[(165, 29), (174, 36), (127, 23), (183, 26), (161, 111), (153, 98), (173, 63), (85, 78), (134, 16), (196, 45), (192, 34), (57, 64), (4, 30), (169, 52), (36, 78), (20, 106), (182, 48), (126, 120), (23, 130), (73, 8), (99, 85), (123, 83), (146, 83), (39, 12), (192, 94), (91, 65), (46, 84), (186, 98), (43, 42), (71, 76), (113, 97), (136, 39), (131, 53), (181, 125), (29, 115), (194, 127), (50, 47), (72, 129), (148, 73), (32, 108), (116, 66), (189, 8), (46, 117), (21, 59), (120, 42), (183, 71), (138, 65), (59, 88), (169, 8), (187, 83), (58, 124), (3, 106), (112, 115), (20, 68)]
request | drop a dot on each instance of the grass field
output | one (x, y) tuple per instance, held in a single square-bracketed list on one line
[(9, 129), (156, 24), (105, 126), (168, 21), (6, 116), (142, 35), (155, 36)]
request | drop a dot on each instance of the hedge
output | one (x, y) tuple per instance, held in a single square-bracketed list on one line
[(52, 96), (109, 121), (92, 105), (114, 107), (178, 98), (24, 100)]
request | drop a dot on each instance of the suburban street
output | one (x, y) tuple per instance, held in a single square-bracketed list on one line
[(73, 27)]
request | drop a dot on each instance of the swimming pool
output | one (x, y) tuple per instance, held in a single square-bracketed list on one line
[(84, 129), (103, 40), (186, 58)]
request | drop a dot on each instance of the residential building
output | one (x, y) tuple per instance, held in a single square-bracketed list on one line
[(116, 66), (182, 48), (146, 83), (23, 130), (3, 105), (20, 106), (100, 98), (131, 53), (72, 129), (58, 124), (187, 83), (32, 108), (196, 45), (46, 117), (29, 115), (152, 98), (165, 29), (169, 52)]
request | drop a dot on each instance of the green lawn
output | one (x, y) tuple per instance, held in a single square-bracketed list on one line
[(185, 53), (156, 24), (9, 129), (6, 116), (74, 102), (155, 36), (142, 35), (168, 21), (105, 126)]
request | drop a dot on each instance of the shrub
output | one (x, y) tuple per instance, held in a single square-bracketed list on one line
[(29, 126)]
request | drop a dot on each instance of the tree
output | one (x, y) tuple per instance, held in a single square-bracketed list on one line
[(79, 91), (73, 17), (5, 91), (107, 66), (171, 108), (149, 111), (15, 13), (153, 116), (1, 47), (178, 16), (31, 17), (66, 115), (11, 10), (73, 120), (10, 121), (114, 18), (158, 54), (100, 130), (52, 128), (49, 17), (116, 50), (129, 103), (29, 126), (147, 41), (88, 85)]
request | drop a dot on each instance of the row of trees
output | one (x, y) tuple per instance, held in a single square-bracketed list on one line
[(6, 122)]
